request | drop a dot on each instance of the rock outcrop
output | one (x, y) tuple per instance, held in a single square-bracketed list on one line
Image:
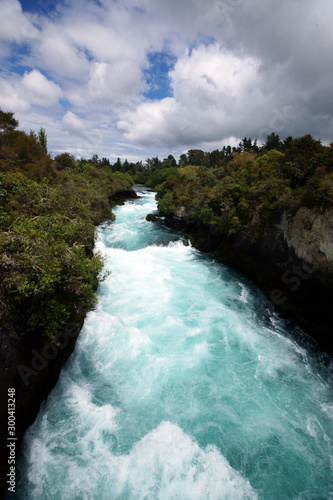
[(119, 197), (153, 218), (310, 233)]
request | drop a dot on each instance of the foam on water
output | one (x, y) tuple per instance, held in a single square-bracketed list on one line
[(183, 384)]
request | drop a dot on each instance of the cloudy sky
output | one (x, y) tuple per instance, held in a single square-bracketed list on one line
[(140, 78)]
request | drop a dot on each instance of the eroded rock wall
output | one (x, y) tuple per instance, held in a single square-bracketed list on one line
[(310, 233)]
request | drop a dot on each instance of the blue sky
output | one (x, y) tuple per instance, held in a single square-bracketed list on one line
[(140, 78), (157, 75), (38, 6)]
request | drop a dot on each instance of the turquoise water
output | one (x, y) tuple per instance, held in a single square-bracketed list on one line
[(184, 384)]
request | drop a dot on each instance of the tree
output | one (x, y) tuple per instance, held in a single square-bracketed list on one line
[(303, 149), (255, 147), (214, 158), (170, 161), (126, 165), (196, 157), (302, 157), (287, 142), (153, 163), (65, 161), (42, 137), (182, 160), (94, 160), (7, 121), (117, 167), (246, 144), (273, 142), (105, 162)]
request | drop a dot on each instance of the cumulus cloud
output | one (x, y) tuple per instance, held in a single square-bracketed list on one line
[(39, 90), (268, 72), (243, 68), (117, 84), (14, 24), (73, 124), (214, 94), (11, 97), (57, 53), (20, 93)]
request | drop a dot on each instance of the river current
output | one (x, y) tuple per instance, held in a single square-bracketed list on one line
[(184, 384)]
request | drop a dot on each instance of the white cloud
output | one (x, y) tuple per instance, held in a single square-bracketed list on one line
[(117, 31), (21, 93), (211, 74), (14, 24), (57, 53), (11, 96), (73, 124), (214, 96), (39, 90), (116, 84)]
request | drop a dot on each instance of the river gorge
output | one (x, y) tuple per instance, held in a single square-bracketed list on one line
[(184, 383)]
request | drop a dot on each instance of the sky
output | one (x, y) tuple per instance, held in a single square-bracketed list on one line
[(141, 78)]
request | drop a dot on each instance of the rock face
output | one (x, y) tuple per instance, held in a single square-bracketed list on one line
[(310, 233), (292, 263), (181, 217), (31, 368)]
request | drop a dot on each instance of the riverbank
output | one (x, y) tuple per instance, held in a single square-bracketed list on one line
[(31, 365)]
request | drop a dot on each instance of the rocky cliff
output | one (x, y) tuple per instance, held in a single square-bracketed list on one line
[(310, 233), (292, 262)]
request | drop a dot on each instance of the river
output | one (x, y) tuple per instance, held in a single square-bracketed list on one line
[(184, 384)]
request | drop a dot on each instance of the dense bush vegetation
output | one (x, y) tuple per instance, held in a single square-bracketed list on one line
[(48, 210), (230, 190), (227, 187)]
